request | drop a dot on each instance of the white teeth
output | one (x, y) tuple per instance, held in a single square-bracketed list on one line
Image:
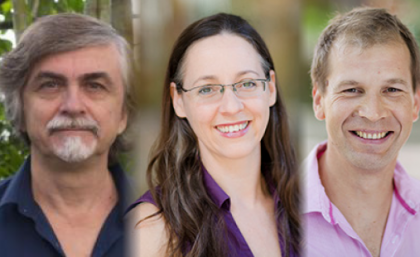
[(233, 128), (371, 136)]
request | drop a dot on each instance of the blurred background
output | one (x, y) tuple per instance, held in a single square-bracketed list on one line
[(290, 29)]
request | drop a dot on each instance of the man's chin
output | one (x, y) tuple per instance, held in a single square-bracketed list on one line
[(74, 150)]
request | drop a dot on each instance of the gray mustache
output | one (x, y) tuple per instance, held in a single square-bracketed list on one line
[(62, 123)]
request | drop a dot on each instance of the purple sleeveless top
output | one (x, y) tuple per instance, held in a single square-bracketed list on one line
[(238, 246)]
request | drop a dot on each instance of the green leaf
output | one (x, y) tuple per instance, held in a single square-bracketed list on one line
[(76, 5), (5, 46), (6, 7)]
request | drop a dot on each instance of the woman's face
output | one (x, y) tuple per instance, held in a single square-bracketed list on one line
[(231, 127)]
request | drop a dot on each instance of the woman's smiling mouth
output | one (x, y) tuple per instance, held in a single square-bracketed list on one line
[(233, 127)]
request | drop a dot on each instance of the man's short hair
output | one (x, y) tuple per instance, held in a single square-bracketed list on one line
[(362, 27), (56, 34)]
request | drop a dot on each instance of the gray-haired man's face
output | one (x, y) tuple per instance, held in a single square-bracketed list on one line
[(73, 104)]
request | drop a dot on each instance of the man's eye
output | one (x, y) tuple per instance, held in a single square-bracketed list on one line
[(351, 90), (392, 90), (48, 87), (95, 86)]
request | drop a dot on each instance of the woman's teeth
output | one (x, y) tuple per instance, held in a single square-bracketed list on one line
[(232, 128)]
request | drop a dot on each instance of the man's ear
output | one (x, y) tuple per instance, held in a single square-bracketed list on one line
[(416, 107), (272, 88), (318, 102), (123, 122), (177, 101)]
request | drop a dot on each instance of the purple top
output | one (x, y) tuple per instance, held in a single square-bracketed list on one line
[(238, 244)]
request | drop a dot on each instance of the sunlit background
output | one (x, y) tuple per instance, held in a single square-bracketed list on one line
[(290, 29)]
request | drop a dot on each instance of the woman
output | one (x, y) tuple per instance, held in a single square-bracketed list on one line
[(222, 176)]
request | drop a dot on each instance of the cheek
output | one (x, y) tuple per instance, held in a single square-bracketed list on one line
[(200, 117)]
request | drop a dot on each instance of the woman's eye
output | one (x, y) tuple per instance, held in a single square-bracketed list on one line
[(249, 84), (206, 90)]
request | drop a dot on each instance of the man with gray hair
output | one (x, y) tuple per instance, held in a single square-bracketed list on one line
[(359, 201), (66, 87)]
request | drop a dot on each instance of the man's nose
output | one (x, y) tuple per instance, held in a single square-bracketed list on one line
[(373, 107), (73, 101), (230, 103)]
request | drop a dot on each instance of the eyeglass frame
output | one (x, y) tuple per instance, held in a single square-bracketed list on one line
[(180, 87)]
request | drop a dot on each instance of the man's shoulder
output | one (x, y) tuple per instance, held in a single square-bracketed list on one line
[(4, 185)]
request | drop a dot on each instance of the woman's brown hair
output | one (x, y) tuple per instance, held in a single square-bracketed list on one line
[(195, 224)]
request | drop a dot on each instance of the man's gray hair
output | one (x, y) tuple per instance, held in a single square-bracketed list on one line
[(56, 34)]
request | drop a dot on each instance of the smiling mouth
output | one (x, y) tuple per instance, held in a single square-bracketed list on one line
[(233, 128), (371, 136)]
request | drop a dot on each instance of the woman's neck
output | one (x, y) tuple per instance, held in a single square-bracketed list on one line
[(240, 178)]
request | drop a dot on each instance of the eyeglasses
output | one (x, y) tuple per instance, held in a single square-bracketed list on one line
[(214, 92)]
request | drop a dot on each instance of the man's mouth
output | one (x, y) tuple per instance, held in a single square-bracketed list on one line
[(372, 136), (232, 128)]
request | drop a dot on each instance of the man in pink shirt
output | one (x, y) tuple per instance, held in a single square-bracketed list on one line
[(359, 200)]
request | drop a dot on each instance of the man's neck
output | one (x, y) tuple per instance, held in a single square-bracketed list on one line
[(363, 196), (68, 187), (75, 198)]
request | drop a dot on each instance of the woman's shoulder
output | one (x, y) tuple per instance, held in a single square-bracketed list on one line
[(143, 209), (147, 228), (145, 198)]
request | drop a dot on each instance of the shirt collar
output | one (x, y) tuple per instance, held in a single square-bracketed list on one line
[(406, 189), (219, 196), (19, 190), (124, 187), (215, 192), (315, 200)]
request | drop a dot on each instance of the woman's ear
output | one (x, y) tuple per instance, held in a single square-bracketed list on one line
[(272, 88), (177, 101)]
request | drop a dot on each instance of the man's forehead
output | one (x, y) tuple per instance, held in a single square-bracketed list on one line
[(76, 63), (345, 44)]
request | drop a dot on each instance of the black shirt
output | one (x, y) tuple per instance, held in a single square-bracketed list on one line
[(25, 230)]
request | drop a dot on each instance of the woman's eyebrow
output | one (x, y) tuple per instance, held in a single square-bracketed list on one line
[(213, 77)]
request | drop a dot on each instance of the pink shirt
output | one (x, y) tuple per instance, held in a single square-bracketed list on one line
[(327, 232)]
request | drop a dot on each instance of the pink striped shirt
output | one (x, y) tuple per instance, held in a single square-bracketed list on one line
[(327, 232)]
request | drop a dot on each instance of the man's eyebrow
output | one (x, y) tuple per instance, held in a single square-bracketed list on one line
[(396, 81), (97, 75), (349, 82), (49, 75)]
